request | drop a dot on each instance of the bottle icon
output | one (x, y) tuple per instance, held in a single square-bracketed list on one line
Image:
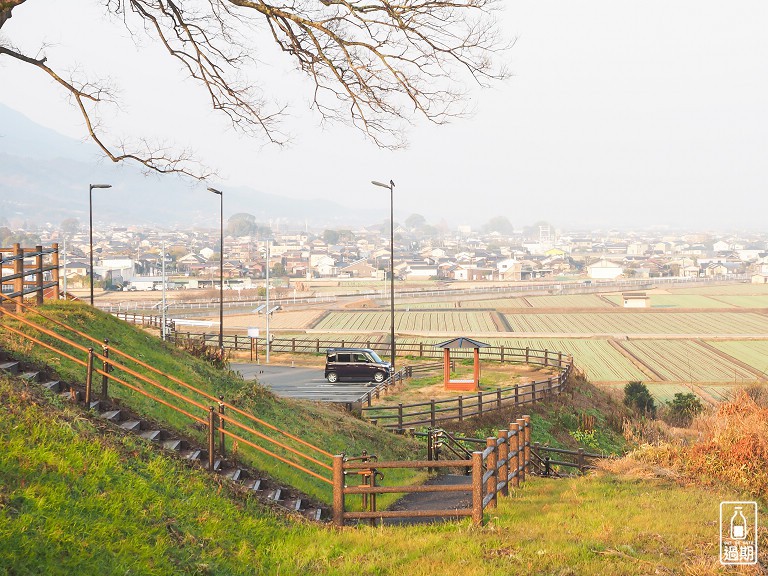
[(738, 525)]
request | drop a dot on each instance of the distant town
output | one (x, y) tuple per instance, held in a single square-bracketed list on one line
[(131, 258)]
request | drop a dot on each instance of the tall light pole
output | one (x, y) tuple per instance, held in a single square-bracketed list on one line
[(391, 188), (221, 271), (266, 310), (90, 227)]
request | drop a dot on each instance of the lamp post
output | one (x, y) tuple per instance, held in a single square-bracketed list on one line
[(90, 226), (391, 188), (221, 270)]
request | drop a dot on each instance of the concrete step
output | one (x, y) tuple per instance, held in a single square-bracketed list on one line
[(174, 444), (53, 385), (131, 425), (31, 376), (194, 454), (274, 494), (254, 485), (152, 435), (95, 404), (234, 474), (10, 367), (112, 415), (314, 514), (292, 505)]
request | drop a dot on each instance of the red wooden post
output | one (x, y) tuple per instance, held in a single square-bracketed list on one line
[(503, 436), (476, 374), (39, 274), (18, 282), (491, 466), (55, 271), (338, 490), (446, 366)]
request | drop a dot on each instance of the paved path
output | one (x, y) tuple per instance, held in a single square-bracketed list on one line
[(434, 500), (300, 382)]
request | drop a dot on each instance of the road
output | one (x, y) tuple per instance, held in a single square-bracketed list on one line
[(301, 382)]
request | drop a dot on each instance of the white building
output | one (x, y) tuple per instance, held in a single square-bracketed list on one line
[(604, 270)]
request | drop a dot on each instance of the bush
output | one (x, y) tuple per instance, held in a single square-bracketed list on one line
[(638, 397), (683, 408)]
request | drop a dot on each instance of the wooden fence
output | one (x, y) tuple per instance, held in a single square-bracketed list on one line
[(417, 349), (25, 279), (431, 412), (505, 462)]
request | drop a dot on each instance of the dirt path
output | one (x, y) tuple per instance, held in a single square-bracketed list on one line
[(434, 500)]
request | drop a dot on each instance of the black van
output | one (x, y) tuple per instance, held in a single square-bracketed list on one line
[(361, 363)]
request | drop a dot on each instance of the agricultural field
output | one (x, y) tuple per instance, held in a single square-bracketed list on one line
[(478, 304), (686, 361), (284, 319), (677, 301), (751, 352), (745, 300), (379, 321), (641, 323), (741, 289), (569, 301)]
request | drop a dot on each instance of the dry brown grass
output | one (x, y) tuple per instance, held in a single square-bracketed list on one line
[(729, 445)]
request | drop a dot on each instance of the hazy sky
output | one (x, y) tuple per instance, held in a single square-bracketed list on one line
[(618, 113)]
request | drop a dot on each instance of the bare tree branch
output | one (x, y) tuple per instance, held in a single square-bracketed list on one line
[(376, 64)]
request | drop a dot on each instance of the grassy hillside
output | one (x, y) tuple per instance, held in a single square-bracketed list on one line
[(78, 500), (322, 425)]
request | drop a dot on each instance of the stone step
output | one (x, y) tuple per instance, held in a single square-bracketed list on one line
[(174, 444), (95, 405), (152, 435), (292, 505), (131, 425), (72, 395), (53, 386), (195, 454), (10, 367), (31, 376), (314, 514), (274, 494), (112, 415), (234, 474), (254, 485)]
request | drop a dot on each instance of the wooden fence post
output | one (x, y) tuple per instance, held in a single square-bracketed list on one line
[(338, 490), (55, 270), (527, 444), (527, 354), (39, 275), (480, 403), (501, 355), (520, 451), (580, 460), (498, 398), (503, 444), (89, 378), (211, 436), (477, 488), (222, 445), (18, 282), (491, 466), (399, 415), (514, 428), (106, 368), (546, 357), (461, 408), (517, 396)]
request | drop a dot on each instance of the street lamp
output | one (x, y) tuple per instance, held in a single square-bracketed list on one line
[(90, 221), (391, 187), (221, 271)]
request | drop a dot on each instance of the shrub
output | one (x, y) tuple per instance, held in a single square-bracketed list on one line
[(638, 397), (683, 408)]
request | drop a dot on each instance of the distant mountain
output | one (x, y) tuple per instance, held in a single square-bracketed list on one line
[(44, 177)]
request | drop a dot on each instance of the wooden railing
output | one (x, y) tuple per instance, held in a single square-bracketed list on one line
[(505, 462), (27, 280), (418, 349), (431, 412), (199, 408)]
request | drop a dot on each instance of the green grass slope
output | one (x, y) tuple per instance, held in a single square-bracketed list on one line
[(77, 499), (327, 427)]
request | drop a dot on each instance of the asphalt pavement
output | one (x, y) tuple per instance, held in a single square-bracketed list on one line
[(301, 382)]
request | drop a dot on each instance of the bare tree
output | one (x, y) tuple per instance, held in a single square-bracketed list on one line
[(375, 64)]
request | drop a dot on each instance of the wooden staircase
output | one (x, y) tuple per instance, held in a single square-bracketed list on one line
[(124, 420)]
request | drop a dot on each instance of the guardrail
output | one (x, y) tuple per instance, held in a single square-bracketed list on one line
[(544, 462), (198, 408), (505, 462)]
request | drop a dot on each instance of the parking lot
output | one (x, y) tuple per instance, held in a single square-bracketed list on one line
[(301, 382)]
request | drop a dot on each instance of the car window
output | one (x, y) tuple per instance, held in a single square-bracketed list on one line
[(345, 358), (361, 358), (331, 357)]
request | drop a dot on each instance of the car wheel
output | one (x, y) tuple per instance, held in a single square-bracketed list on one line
[(378, 377), (332, 377)]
